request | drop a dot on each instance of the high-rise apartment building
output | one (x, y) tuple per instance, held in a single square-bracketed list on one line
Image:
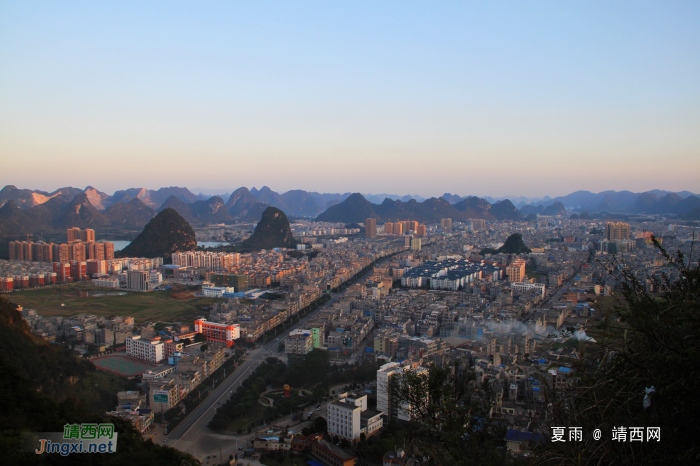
[(388, 228), (478, 224), (386, 402), (77, 251), (87, 235), (76, 234), (416, 244), (398, 228), (615, 231), (109, 250), (95, 251), (73, 234), (516, 270), (61, 252), (446, 223), (412, 225), (371, 227), (420, 230)]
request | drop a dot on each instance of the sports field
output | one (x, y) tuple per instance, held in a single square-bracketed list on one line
[(167, 306), (120, 364)]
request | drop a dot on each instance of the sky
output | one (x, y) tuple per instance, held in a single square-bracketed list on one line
[(405, 97)]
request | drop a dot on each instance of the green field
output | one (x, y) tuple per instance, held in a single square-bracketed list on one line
[(168, 306)]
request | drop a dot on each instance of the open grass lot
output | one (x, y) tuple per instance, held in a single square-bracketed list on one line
[(170, 305)]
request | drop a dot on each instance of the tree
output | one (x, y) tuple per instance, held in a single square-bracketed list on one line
[(199, 338), (450, 416), (204, 347), (640, 376), (320, 424)]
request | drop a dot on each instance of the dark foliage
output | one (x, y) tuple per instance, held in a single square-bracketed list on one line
[(272, 231), (24, 409), (649, 341)]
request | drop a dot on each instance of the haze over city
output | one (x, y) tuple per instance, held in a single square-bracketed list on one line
[(406, 98)]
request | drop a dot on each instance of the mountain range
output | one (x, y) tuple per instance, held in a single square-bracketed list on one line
[(31, 211), (356, 208)]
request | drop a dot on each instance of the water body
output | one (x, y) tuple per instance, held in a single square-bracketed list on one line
[(119, 245)]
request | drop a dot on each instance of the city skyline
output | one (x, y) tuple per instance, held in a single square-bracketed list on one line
[(410, 98)]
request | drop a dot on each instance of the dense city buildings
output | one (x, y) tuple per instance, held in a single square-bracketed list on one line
[(59, 252)]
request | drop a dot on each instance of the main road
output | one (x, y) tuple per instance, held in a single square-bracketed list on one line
[(192, 435)]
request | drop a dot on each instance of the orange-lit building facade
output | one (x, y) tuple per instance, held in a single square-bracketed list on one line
[(218, 334)]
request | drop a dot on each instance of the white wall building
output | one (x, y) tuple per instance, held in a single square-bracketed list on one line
[(385, 401), (150, 350), (138, 280), (216, 291), (106, 282), (349, 417), (521, 287)]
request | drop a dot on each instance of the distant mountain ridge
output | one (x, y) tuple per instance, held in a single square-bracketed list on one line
[(356, 208), (134, 207)]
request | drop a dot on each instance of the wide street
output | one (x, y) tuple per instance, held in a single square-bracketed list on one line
[(193, 436)]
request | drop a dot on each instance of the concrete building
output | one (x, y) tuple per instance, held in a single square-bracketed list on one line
[(332, 455), (216, 291), (349, 417), (150, 350), (371, 227), (299, 342), (522, 288), (138, 280), (516, 270), (446, 223), (386, 402), (615, 231), (218, 334)]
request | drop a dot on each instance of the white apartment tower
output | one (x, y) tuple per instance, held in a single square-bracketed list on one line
[(150, 350), (385, 400)]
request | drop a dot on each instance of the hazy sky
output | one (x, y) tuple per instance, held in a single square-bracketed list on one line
[(488, 98)]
